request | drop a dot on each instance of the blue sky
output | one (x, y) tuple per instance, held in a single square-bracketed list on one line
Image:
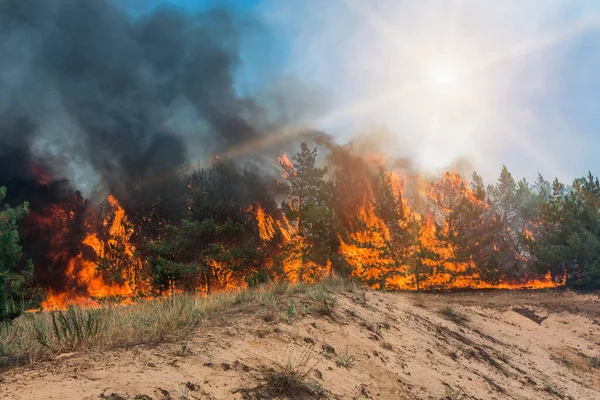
[(492, 82)]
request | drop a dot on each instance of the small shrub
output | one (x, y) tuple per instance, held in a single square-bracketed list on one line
[(184, 349), (592, 362), (291, 311)]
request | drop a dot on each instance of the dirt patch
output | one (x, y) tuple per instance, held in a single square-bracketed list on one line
[(553, 300), (527, 313)]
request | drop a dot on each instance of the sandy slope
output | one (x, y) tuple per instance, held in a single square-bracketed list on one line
[(398, 350)]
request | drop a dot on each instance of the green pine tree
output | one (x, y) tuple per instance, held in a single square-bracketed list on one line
[(569, 243), (13, 273), (310, 205)]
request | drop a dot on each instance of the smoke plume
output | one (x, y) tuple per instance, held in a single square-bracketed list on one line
[(95, 101), (100, 98)]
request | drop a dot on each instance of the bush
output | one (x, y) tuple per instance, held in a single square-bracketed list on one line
[(259, 278), (72, 329)]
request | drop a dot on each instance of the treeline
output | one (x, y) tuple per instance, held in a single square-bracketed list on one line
[(340, 213), (346, 214)]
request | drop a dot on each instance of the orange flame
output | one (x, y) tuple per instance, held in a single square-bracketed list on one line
[(287, 167), (431, 261), (266, 225)]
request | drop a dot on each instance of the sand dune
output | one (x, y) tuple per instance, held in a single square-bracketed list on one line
[(371, 345)]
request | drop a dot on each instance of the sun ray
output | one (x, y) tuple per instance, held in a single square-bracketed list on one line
[(499, 127), (536, 44), (292, 131), (445, 78)]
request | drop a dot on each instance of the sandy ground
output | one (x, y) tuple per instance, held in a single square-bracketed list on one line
[(393, 348)]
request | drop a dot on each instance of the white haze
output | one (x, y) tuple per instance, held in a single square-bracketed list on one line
[(508, 62)]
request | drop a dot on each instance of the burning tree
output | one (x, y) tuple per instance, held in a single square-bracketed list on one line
[(304, 234), (461, 239), (377, 237)]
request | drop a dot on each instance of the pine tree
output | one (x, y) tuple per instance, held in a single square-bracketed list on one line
[(216, 246), (13, 272), (306, 180), (509, 202), (462, 239), (309, 206), (569, 243), (478, 187)]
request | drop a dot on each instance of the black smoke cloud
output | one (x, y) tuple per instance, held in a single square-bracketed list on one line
[(94, 95), (95, 100)]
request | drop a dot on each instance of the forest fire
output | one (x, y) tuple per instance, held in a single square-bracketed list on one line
[(403, 249), (104, 203), (417, 253), (429, 237)]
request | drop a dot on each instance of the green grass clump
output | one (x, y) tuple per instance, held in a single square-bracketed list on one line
[(345, 360)]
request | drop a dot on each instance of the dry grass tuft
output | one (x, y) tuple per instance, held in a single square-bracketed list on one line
[(576, 360), (419, 300), (454, 394), (323, 302), (451, 314), (289, 380)]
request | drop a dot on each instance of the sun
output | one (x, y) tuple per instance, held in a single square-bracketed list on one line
[(444, 78)]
